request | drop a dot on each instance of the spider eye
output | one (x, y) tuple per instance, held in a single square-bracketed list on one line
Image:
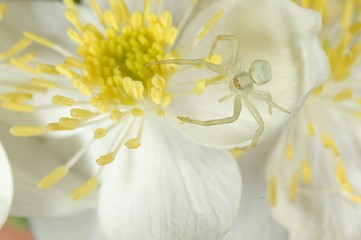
[(260, 72)]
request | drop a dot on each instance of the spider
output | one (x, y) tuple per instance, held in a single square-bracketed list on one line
[(240, 84)]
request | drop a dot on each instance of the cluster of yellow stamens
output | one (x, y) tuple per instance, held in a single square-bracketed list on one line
[(343, 51), (110, 74)]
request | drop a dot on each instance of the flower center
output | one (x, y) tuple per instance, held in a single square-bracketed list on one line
[(110, 73)]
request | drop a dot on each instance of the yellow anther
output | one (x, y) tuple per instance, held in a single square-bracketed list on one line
[(158, 81), (16, 97), (63, 101), (36, 38), (343, 95), (17, 107), (70, 4), (56, 127), (72, 62), (27, 131), (73, 18), (328, 142), (310, 129), (200, 86), (132, 143), (81, 113), (167, 99), (45, 68), (306, 171), (342, 176), (16, 48), (357, 114), (100, 133), (23, 66), (318, 90), (70, 123), (85, 189), (116, 115), (216, 59), (289, 152), (105, 159), (347, 14), (28, 87), (96, 9), (137, 112), (320, 5), (306, 3), (156, 95), (53, 177), (293, 187), (3, 9), (272, 191), (354, 198), (28, 57), (43, 83), (210, 23), (160, 112), (138, 90)]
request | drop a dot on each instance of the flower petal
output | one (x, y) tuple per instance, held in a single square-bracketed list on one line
[(169, 189), (6, 186), (29, 165), (75, 227), (291, 47), (254, 219), (320, 201)]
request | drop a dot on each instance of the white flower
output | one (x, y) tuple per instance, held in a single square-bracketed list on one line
[(313, 174), (6, 190), (167, 188)]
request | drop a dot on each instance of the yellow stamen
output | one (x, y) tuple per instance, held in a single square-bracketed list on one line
[(293, 187), (17, 107), (347, 14), (100, 133), (16, 48), (106, 159), (137, 112), (272, 191), (342, 177), (63, 101), (306, 171), (132, 143), (45, 68), (343, 95), (318, 90), (85, 189), (70, 123), (289, 152), (3, 9), (53, 177), (38, 39), (81, 113), (27, 131), (210, 23), (43, 83), (16, 97), (310, 129)]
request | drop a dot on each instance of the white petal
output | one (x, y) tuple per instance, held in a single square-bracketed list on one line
[(6, 191), (254, 219), (297, 59), (75, 227), (31, 159), (322, 209), (169, 189)]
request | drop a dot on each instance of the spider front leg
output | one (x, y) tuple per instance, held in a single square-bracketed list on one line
[(254, 112), (211, 66), (236, 112), (235, 52)]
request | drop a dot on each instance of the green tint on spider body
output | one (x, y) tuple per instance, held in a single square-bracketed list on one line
[(240, 84)]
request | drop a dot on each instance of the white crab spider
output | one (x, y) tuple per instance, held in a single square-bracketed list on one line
[(240, 85)]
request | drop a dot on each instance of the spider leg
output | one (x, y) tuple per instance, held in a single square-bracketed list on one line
[(253, 110), (211, 66), (265, 96), (235, 52), (236, 112)]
